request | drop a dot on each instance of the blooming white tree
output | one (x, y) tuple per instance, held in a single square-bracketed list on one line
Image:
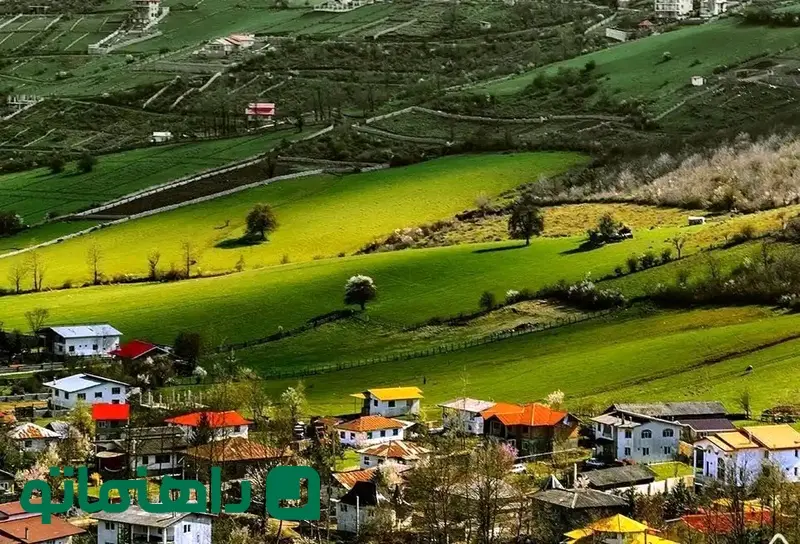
[(360, 290), (555, 399)]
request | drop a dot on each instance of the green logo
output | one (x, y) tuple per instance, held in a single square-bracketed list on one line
[(284, 483)]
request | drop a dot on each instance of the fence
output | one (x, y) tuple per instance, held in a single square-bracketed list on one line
[(523, 330), (25, 397)]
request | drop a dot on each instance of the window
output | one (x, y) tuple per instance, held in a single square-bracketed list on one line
[(628, 433), (375, 402), (115, 401), (28, 443), (116, 390), (145, 459), (342, 434), (647, 433), (667, 433), (409, 403), (797, 453), (237, 429), (81, 396), (72, 349), (766, 454), (627, 452), (645, 451), (98, 395), (369, 434), (109, 526), (667, 450), (795, 471), (66, 395), (366, 461), (163, 458), (58, 393), (383, 433), (352, 436), (343, 507), (187, 528), (391, 404), (94, 347), (395, 431)]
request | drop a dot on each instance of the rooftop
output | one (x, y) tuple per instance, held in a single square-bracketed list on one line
[(672, 409), (370, 423), (391, 393), (619, 476), (468, 405), (771, 437), (530, 415), (135, 348), (711, 424), (396, 449), (363, 494), (579, 499), (79, 382), (348, 479), (134, 515), (111, 412), (215, 419), (86, 331), (234, 449), (31, 530), (28, 431)]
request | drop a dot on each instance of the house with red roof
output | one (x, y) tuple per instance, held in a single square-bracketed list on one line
[(110, 420), (222, 425), (137, 349), (20, 527), (531, 428)]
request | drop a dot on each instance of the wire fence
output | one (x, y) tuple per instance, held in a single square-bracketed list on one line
[(521, 330)]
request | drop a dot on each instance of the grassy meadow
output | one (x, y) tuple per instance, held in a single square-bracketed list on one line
[(34, 193), (675, 355), (320, 216), (637, 68)]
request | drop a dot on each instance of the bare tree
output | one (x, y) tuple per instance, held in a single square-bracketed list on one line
[(744, 401), (37, 268), (16, 274), (93, 257), (36, 319), (152, 264), (678, 242), (189, 257)]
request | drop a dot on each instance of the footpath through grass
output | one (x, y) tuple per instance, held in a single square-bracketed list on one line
[(320, 216), (34, 193)]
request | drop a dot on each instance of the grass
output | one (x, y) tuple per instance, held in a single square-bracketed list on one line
[(350, 460), (699, 354), (637, 68), (33, 193), (42, 233), (319, 216), (413, 286), (670, 470)]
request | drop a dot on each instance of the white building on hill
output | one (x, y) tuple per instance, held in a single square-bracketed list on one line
[(87, 388)]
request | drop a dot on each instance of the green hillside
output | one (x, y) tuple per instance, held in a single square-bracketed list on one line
[(34, 193), (319, 217), (698, 354)]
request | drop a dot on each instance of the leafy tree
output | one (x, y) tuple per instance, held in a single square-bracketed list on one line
[(86, 163), (56, 164), (36, 319), (608, 227), (360, 290), (488, 301), (10, 222), (260, 221), (188, 346), (526, 219)]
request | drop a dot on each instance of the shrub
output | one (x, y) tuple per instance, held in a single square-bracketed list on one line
[(56, 164), (512, 296), (86, 163), (618, 271), (633, 263), (648, 259), (747, 231), (584, 294), (487, 301), (666, 255)]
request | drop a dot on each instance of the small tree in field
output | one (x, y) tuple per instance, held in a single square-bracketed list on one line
[(526, 219), (488, 301), (86, 163), (359, 290), (56, 164), (261, 221)]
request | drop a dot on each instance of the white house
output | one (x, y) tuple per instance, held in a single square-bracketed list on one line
[(368, 430), (712, 8), (222, 425), (396, 451), (149, 528), (6, 482), (159, 137), (33, 438), (740, 454), (390, 401), (146, 11), (88, 388), (673, 9), (464, 415), (82, 340), (635, 437), (357, 507)]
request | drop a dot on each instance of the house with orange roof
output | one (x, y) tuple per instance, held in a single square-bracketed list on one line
[(222, 425), (390, 401), (741, 454), (20, 527), (368, 430), (396, 451), (531, 428)]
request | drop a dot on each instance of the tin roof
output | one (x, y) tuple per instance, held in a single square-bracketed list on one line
[(396, 449), (391, 393), (86, 331), (673, 409), (134, 515), (529, 415), (234, 449), (216, 420), (370, 423), (79, 382), (468, 405), (28, 431), (349, 478), (31, 530)]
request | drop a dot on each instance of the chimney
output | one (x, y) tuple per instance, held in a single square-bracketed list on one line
[(26, 533)]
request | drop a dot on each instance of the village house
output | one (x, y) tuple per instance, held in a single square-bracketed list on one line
[(358, 506), (6, 483), (390, 401), (712, 8), (614, 478), (626, 436), (20, 527), (146, 11), (259, 110), (147, 528), (739, 455), (160, 137), (464, 415), (231, 44), (673, 9), (32, 438), (159, 449), (234, 456), (137, 349), (110, 420), (565, 504), (86, 388), (698, 418), (396, 451), (221, 425), (82, 340), (531, 428), (367, 430)]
